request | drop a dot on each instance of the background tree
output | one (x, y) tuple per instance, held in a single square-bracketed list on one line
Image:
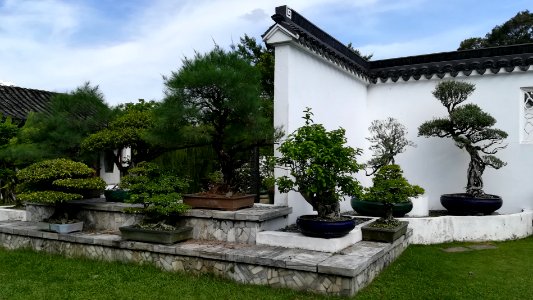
[(517, 30), (262, 59), (59, 132), (128, 128), (470, 129), (214, 99), (387, 138), (8, 130), (366, 57)]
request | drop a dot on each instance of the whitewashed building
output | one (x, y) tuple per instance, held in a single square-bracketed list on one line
[(313, 69)]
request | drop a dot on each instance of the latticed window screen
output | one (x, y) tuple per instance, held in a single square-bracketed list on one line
[(526, 135)]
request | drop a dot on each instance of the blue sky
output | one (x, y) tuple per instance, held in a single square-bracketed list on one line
[(126, 46)]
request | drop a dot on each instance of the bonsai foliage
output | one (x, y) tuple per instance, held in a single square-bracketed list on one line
[(389, 187), (470, 129), (321, 166), (387, 140), (158, 191), (57, 181), (214, 99), (126, 130)]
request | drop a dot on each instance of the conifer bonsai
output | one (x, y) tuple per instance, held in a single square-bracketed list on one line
[(321, 168), (56, 182), (159, 194), (471, 130), (390, 187)]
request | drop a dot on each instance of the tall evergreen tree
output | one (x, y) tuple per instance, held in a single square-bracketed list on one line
[(517, 30), (214, 99)]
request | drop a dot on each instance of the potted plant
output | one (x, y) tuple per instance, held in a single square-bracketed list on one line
[(158, 194), (56, 182), (388, 139), (471, 130), (321, 169), (214, 99), (389, 187)]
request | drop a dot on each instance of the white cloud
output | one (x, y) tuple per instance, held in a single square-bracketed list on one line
[(47, 44)]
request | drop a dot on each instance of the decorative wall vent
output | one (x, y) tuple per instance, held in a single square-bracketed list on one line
[(526, 116)]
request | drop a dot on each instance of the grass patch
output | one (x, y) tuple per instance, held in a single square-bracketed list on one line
[(422, 272), (25, 274), (427, 272)]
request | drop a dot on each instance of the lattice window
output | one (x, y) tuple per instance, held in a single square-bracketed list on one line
[(526, 135)]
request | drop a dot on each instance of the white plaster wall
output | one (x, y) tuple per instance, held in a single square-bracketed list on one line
[(337, 99), (447, 229), (437, 164), (113, 178)]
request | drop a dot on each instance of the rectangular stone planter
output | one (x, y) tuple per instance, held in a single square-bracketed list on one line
[(60, 228), (134, 233), (219, 201), (387, 235)]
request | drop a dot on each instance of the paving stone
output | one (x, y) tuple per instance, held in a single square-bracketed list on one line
[(482, 247), (344, 265), (366, 249), (456, 249), (307, 261)]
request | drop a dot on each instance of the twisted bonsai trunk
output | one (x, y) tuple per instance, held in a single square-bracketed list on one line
[(476, 168)]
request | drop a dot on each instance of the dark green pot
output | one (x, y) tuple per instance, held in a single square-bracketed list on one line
[(387, 235), (116, 195), (377, 209)]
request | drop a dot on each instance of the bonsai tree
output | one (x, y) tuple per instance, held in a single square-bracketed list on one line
[(159, 193), (56, 182), (214, 99), (470, 128), (390, 187), (126, 130), (321, 166), (387, 138)]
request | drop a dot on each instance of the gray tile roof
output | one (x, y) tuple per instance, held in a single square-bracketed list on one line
[(17, 102)]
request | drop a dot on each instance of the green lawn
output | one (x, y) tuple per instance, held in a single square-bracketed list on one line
[(422, 272)]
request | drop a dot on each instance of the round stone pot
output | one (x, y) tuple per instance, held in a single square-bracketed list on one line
[(377, 209), (464, 204), (310, 225)]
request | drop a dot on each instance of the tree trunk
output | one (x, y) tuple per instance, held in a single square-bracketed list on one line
[(388, 212), (476, 168)]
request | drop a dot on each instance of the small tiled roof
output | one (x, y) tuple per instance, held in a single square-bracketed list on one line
[(494, 59), (17, 102)]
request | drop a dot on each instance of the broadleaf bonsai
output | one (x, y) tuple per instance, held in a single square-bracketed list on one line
[(470, 129), (158, 191), (389, 187), (56, 182), (321, 166)]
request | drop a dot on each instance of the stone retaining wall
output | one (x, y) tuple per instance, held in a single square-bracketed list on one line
[(239, 226), (342, 273)]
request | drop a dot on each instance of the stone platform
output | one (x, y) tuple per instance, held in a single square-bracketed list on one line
[(239, 226), (341, 273)]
